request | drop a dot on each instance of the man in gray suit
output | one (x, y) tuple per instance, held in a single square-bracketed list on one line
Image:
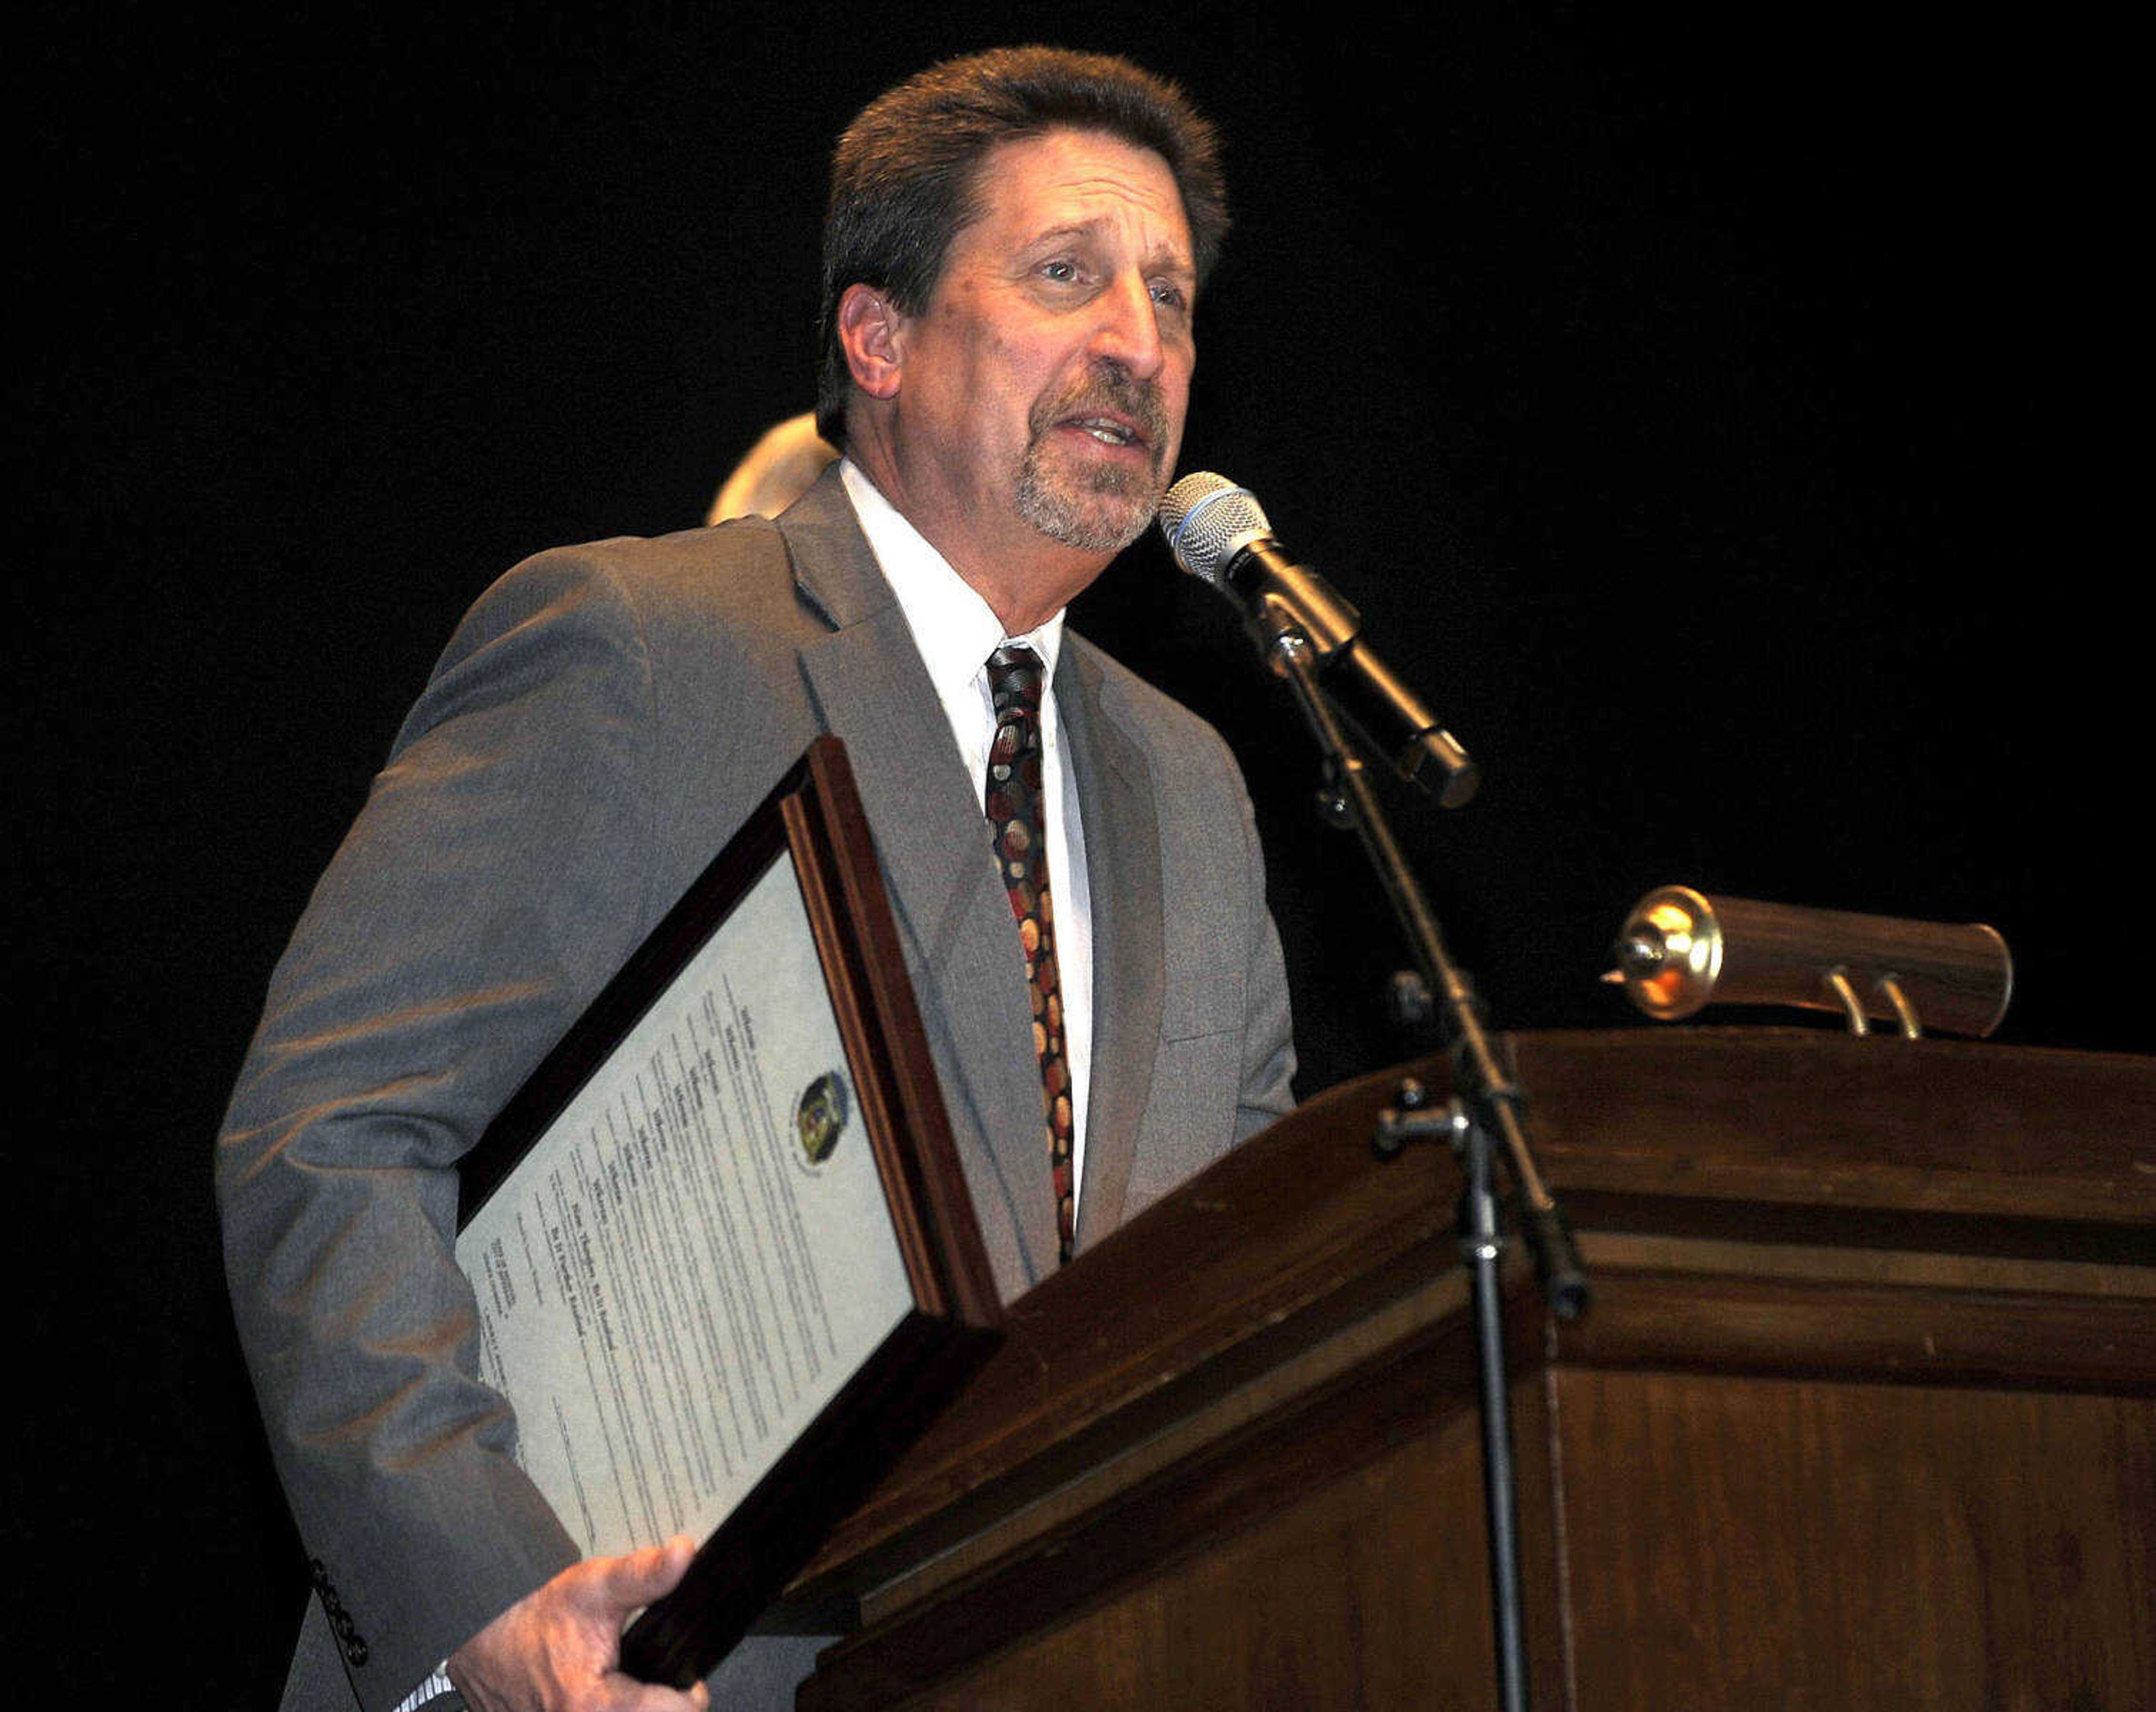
[(1014, 245)]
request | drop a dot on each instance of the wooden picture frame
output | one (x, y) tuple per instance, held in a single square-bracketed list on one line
[(602, 1195)]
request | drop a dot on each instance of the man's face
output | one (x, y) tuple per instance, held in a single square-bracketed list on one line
[(1044, 383)]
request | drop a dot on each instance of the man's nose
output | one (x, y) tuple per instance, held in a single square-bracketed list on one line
[(1128, 333)]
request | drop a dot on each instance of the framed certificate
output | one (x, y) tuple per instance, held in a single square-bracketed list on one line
[(725, 1261)]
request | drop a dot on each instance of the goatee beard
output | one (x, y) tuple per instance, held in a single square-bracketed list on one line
[(1101, 508)]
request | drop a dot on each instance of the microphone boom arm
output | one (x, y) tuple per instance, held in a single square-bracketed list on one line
[(1491, 1097)]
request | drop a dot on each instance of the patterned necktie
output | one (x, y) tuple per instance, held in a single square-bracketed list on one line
[(1018, 817)]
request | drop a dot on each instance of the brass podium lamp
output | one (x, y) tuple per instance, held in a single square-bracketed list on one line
[(1680, 950)]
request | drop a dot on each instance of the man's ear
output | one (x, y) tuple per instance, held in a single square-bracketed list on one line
[(870, 331)]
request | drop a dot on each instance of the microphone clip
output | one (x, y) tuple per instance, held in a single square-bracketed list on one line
[(1290, 609)]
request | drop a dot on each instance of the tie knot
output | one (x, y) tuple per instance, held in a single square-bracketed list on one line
[(1014, 680)]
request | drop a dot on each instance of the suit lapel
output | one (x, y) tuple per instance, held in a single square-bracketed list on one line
[(1123, 864), (873, 693)]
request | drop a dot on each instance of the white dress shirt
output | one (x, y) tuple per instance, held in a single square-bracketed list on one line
[(956, 631)]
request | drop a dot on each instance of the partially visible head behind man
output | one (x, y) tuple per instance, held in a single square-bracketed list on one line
[(774, 472), (905, 179)]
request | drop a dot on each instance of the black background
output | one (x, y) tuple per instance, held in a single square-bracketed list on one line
[(1718, 421)]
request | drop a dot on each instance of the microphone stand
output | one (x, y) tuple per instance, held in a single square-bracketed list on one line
[(1486, 1106)]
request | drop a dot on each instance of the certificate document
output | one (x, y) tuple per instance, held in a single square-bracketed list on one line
[(697, 1254)]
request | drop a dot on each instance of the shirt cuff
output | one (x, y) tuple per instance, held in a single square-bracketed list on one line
[(431, 1691)]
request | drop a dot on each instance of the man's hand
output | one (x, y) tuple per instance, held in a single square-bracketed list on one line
[(558, 1648)]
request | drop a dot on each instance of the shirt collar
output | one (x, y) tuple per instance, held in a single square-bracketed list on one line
[(954, 627)]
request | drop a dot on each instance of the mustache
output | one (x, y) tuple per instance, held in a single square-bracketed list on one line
[(1107, 393)]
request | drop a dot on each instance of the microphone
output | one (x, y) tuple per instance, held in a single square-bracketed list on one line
[(1218, 534)]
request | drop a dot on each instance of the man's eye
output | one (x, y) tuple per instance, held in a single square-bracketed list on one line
[(1062, 273), (1169, 296)]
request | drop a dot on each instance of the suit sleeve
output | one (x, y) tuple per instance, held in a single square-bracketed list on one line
[(1265, 1093), (495, 878)]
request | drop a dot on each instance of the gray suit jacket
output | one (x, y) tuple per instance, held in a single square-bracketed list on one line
[(601, 722)]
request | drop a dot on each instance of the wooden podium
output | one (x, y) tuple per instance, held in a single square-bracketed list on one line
[(1864, 1414)]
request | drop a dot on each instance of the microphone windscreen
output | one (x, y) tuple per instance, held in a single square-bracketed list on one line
[(1207, 520)]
